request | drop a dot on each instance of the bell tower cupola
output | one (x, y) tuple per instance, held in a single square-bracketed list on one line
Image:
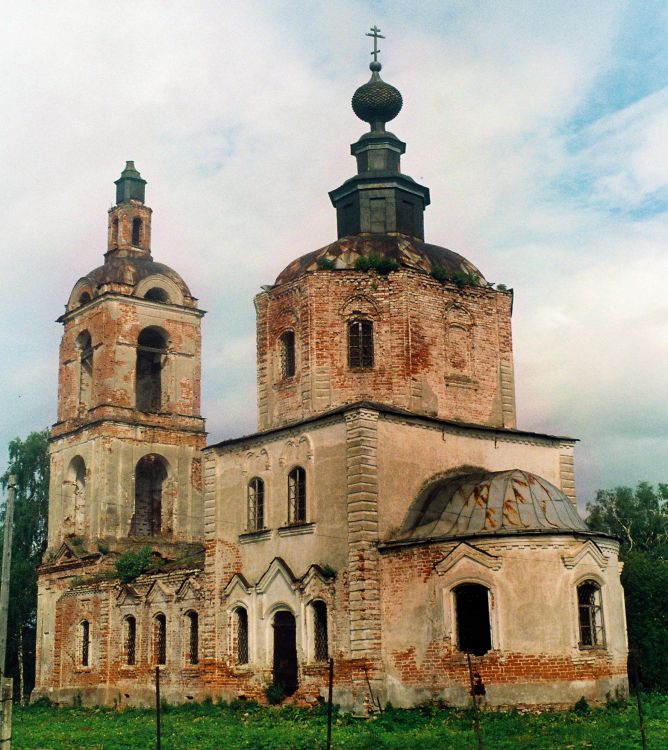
[(379, 199), (129, 232)]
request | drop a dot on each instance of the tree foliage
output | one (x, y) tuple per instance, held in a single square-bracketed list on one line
[(29, 461), (639, 518)]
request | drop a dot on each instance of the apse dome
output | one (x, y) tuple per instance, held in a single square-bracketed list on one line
[(408, 252), (501, 502)]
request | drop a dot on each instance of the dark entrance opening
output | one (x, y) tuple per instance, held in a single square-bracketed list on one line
[(473, 627), (285, 651)]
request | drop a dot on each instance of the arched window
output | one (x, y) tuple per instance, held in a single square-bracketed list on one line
[(160, 639), (320, 640), (297, 495), (151, 352), (85, 347), (360, 344), (136, 232), (84, 642), (76, 493), (192, 654), (150, 475), (288, 359), (473, 624), (130, 644), (255, 504), (157, 294), (114, 233), (241, 635), (84, 297), (590, 615)]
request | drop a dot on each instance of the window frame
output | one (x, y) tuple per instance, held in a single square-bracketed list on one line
[(288, 354), (255, 505), (595, 620), (297, 496), (129, 654), (84, 644), (361, 352), (457, 620), (192, 640), (241, 645), (159, 650), (320, 623)]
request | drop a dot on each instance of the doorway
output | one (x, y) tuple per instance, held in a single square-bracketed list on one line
[(285, 651)]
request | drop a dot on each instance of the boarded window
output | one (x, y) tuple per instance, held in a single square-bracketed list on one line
[(192, 655), (151, 353), (288, 360), (130, 641), (84, 635), (297, 495), (255, 504), (590, 614), (320, 642), (150, 476), (160, 639), (473, 624), (360, 343), (241, 634)]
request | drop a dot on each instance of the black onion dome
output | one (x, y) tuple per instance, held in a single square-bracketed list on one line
[(377, 101), (408, 252), (499, 502)]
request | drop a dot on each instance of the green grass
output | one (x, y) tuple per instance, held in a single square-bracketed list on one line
[(213, 727)]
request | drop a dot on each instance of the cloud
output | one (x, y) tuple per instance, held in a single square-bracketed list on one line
[(538, 128)]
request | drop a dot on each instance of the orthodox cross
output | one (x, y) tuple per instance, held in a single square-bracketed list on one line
[(375, 33)]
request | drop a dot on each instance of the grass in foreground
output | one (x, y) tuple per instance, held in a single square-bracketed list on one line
[(222, 727)]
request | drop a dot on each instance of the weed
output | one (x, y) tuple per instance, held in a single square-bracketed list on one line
[(275, 692), (325, 263), (132, 564)]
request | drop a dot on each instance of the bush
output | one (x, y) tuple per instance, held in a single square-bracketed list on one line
[(325, 263), (373, 262), (581, 707), (275, 692), (132, 564)]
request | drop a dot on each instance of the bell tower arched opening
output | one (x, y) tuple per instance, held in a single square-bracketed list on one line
[(151, 355), (150, 476)]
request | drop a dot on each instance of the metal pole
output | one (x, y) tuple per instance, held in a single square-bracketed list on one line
[(476, 718), (6, 713), (329, 704), (157, 708), (641, 712)]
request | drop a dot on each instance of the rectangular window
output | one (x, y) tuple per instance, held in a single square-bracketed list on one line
[(297, 496), (360, 344)]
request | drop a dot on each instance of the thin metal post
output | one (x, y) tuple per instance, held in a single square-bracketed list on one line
[(329, 704), (641, 712), (476, 718), (6, 685), (158, 744)]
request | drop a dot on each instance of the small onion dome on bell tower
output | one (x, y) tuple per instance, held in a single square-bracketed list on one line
[(130, 185), (379, 199), (129, 232)]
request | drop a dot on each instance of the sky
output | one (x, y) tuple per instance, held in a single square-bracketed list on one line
[(539, 127)]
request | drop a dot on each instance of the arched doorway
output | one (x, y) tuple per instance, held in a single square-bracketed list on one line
[(285, 651)]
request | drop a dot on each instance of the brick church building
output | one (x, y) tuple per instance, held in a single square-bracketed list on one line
[(387, 513)]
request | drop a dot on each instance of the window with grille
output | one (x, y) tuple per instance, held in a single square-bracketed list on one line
[(288, 360), (130, 641), (192, 655), (241, 617), (590, 615), (136, 232), (360, 344), (297, 495), (255, 504), (320, 644), (85, 643), (160, 639)]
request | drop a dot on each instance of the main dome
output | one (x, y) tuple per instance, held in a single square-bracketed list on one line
[(408, 252), (501, 502)]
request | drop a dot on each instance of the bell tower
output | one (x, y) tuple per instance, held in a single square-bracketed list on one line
[(125, 451)]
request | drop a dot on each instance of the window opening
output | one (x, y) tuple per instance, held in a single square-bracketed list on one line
[(85, 297), (85, 643), (76, 493), (85, 346), (297, 495), (136, 232), (193, 638), (150, 475), (114, 233), (160, 639), (157, 294), (285, 651), (288, 362), (242, 635), (320, 645), (590, 615), (151, 352), (130, 640), (255, 504), (473, 625), (360, 344)]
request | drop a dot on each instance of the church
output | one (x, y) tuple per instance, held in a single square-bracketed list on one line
[(388, 513)]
